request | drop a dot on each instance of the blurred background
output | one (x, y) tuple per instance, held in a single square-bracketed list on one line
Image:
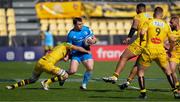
[(22, 21)]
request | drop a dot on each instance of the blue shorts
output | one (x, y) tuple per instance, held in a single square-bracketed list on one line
[(81, 58)]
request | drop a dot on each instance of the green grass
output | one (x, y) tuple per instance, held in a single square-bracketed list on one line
[(159, 90)]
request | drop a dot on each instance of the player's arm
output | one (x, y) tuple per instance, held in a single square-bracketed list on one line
[(132, 31), (133, 28), (166, 44), (66, 58), (80, 49), (144, 30), (171, 39), (172, 43)]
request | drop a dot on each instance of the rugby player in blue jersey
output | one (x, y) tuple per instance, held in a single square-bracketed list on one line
[(77, 36)]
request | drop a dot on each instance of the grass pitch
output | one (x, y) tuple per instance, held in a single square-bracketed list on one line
[(156, 83)]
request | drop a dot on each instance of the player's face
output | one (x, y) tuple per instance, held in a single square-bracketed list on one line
[(140, 10), (173, 23), (137, 11), (79, 25)]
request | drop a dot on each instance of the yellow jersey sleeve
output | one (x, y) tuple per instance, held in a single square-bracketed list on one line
[(145, 25), (137, 17)]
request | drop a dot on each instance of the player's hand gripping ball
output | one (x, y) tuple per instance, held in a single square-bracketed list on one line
[(90, 40)]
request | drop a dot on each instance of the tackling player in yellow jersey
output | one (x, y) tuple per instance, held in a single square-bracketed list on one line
[(156, 30), (47, 64), (175, 53), (133, 50)]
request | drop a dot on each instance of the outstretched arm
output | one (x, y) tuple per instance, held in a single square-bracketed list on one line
[(80, 49)]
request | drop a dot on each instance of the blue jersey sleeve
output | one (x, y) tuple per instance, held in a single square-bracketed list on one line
[(89, 32)]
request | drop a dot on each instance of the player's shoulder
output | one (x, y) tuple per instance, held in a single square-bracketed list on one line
[(143, 15), (149, 21), (85, 28), (137, 16), (148, 14), (71, 32)]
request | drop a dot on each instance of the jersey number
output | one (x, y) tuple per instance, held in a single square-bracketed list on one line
[(158, 31)]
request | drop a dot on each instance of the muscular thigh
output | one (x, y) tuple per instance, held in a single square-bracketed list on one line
[(73, 66), (135, 49), (145, 59), (162, 60)]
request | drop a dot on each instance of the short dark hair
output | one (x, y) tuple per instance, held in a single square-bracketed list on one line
[(158, 11), (77, 19), (141, 6), (175, 17)]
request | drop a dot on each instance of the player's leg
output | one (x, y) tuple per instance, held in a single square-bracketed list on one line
[(88, 62), (74, 64), (173, 69), (60, 74), (173, 64), (141, 81), (132, 75), (143, 63), (47, 82), (33, 79), (163, 63), (127, 54)]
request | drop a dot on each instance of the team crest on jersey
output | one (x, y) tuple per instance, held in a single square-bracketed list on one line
[(160, 24), (74, 37)]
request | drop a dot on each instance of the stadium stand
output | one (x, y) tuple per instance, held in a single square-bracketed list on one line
[(26, 20), (11, 22), (20, 17), (3, 27)]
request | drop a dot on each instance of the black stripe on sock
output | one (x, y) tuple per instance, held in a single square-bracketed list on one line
[(53, 79), (26, 81), (59, 78), (141, 82), (19, 83)]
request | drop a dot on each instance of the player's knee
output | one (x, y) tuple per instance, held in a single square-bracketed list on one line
[(63, 73), (65, 76), (70, 72), (167, 71), (54, 71), (90, 69)]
